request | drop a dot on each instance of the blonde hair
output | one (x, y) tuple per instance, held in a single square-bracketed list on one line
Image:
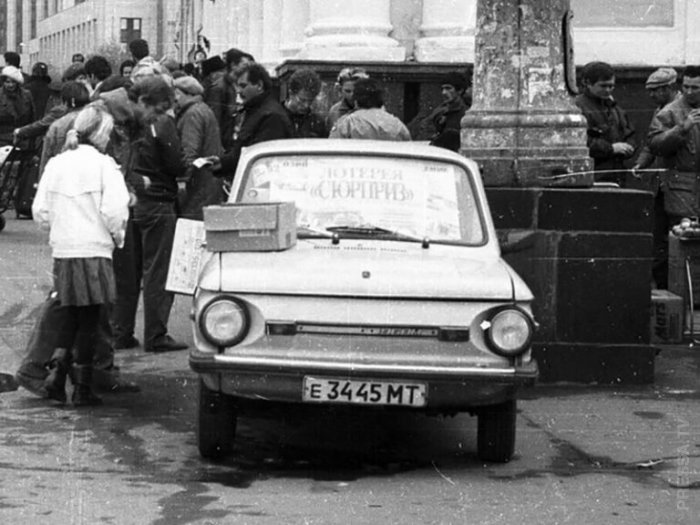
[(93, 126)]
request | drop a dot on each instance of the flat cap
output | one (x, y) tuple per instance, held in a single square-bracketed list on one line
[(188, 85), (664, 76)]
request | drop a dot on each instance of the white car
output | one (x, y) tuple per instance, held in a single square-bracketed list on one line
[(395, 295)]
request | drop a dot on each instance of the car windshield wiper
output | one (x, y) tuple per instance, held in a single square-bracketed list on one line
[(310, 232), (377, 231)]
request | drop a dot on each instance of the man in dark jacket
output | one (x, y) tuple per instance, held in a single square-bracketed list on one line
[(304, 87), (264, 118), (155, 166), (222, 97), (38, 86), (610, 134), (199, 135), (447, 117), (16, 105)]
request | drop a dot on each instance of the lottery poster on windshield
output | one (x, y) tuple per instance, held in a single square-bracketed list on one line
[(419, 199)]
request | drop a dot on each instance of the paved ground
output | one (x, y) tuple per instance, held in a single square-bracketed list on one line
[(585, 454)]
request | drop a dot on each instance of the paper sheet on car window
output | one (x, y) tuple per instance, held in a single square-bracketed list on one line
[(188, 257), (394, 194)]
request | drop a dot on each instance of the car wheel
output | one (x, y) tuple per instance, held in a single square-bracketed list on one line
[(496, 433), (216, 423), (2, 223)]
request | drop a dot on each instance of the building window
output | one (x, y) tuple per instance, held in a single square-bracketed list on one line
[(130, 29)]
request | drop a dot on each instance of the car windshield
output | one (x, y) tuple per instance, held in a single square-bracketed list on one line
[(362, 195)]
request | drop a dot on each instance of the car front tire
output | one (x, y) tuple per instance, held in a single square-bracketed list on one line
[(496, 432), (216, 423)]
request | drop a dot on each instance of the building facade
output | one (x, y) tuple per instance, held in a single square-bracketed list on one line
[(623, 32)]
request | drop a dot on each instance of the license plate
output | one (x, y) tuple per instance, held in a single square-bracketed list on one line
[(363, 392)]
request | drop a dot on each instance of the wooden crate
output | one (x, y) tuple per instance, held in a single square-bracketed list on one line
[(680, 250), (667, 317)]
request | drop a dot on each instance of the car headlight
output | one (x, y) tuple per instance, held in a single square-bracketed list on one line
[(509, 332), (224, 321)]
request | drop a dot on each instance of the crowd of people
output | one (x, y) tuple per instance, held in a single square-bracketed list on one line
[(668, 162), (117, 169)]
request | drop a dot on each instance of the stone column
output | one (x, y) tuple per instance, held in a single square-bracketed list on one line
[(447, 31), (523, 128), (272, 33), (295, 16), (357, 30)]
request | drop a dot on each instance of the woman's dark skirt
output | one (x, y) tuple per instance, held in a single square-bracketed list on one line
[(84, 281)]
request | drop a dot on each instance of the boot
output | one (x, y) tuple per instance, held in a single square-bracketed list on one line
[(82, 393), (55, 382)]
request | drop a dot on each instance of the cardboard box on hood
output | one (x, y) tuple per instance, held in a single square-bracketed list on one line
[(250, 227)]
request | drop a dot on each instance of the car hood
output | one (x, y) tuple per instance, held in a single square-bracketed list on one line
[(367, 269)]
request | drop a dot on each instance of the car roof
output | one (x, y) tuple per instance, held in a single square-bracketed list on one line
[(342, 146)]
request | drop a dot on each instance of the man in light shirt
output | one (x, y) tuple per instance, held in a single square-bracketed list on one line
[(370, 120)]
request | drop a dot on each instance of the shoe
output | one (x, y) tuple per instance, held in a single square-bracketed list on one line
[(83, 396), (166, 344), (55, 382), (108, 380), (32, 380), (7, 383), (126, 343)]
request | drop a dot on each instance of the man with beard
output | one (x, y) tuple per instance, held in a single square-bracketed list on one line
[(304, 87)]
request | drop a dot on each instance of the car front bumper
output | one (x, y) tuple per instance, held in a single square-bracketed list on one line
[(281, 378)]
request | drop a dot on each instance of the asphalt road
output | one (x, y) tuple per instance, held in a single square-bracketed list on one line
[(584, 455)]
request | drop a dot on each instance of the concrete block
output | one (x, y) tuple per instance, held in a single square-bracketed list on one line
[(608, 210), (601, 364)]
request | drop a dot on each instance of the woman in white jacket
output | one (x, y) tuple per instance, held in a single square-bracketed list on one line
[(83, 200)]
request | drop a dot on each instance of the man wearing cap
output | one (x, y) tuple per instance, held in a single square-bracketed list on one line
[(661, 87), (16, 105), (447, 117), (674, 135), (200, 137), (38, 85)]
